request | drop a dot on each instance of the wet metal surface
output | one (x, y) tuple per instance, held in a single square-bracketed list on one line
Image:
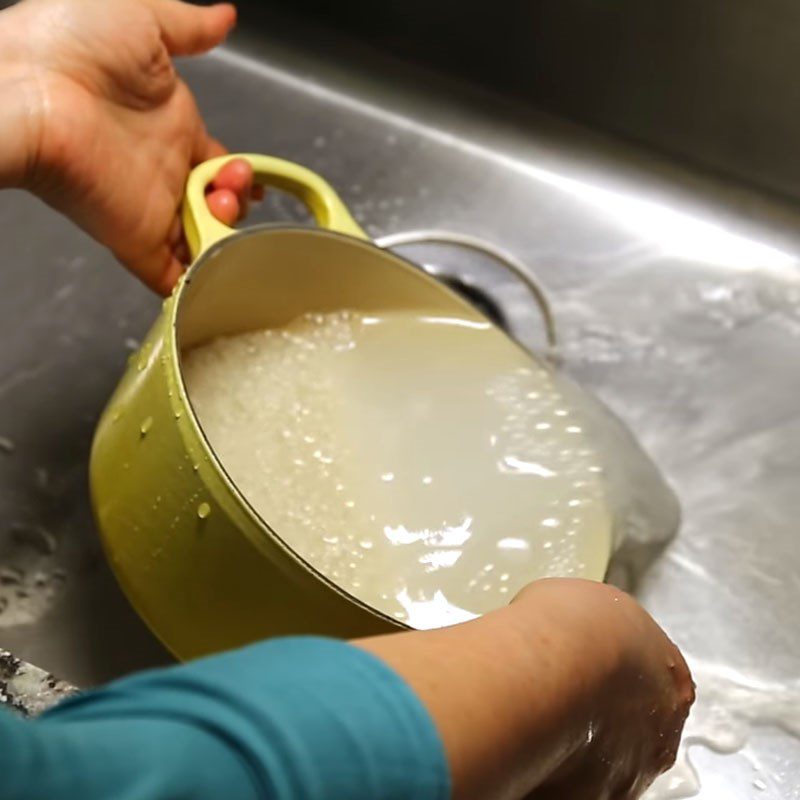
[(704, 79), (677, 300), (27, 690)]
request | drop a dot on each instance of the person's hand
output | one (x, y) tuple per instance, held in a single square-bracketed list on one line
[(110, 130), (572, 691), (231, 191), (635, 722)]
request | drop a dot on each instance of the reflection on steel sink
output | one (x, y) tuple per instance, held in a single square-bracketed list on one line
[(677, 298)]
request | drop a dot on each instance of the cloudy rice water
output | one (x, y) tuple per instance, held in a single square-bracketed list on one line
[(425, 464)]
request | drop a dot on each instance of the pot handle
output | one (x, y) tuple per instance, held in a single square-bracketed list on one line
[(203, 229)]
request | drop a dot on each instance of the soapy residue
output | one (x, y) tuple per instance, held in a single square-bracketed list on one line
[(29, 578), (730, 705), (425, 464)]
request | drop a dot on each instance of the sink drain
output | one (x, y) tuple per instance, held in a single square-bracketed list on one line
[(484, 302), (494, 281)]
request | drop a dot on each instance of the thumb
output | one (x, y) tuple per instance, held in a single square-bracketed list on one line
[(188, 29)]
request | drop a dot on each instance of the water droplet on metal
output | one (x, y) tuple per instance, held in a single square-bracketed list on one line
[(146, 425), (203, 510)]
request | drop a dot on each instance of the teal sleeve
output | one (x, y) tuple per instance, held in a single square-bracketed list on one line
[(289, 719)]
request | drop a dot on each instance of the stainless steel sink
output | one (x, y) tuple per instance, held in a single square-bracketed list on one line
[(677, 299)]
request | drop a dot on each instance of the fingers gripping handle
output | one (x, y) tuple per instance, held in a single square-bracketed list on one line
[(203, 229)]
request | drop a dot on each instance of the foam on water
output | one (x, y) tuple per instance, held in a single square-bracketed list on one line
[(427, 465)]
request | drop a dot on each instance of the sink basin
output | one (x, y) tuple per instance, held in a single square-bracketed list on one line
[(676, 294)]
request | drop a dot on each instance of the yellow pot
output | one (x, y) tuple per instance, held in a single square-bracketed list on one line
[(196, 561)]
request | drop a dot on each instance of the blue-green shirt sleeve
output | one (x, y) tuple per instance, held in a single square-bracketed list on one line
[(289, 719)]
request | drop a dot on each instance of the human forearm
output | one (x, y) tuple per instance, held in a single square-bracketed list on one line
[(568, 691), (280, 720), (118, 757), (499, 690)]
